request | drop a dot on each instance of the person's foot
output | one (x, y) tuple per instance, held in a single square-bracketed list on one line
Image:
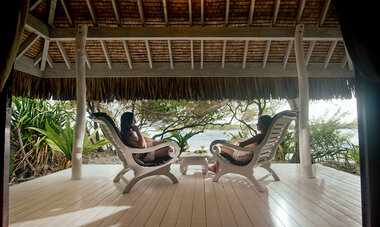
[(211, 168)]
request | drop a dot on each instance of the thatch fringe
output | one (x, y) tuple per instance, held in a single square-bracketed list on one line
[(195, 88)]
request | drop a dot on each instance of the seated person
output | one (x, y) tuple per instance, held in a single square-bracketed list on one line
[(263, 126), (132, 137)]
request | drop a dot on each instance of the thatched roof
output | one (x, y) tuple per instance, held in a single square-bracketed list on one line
[(151, 67)]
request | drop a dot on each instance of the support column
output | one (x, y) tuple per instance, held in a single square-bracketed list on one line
[(80, 63), (5, 130), (303, 92)]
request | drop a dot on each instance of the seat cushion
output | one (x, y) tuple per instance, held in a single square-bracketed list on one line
[(233, 161)]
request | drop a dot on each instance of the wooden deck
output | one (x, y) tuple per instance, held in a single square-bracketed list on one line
[(331, 199)]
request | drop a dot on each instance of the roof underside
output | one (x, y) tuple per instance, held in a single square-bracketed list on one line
[(191, 40)]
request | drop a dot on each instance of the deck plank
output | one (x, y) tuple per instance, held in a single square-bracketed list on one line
[(331, 199)]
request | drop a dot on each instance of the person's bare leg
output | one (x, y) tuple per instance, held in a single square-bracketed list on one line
[(229, 151)]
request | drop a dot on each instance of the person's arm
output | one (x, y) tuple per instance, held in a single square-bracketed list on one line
[(140, 142), (256, 139)]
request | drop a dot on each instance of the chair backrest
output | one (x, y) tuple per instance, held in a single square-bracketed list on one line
[(111, 132), (275, 135)]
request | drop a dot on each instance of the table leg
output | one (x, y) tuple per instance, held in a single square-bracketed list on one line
[(205, 166), (183, 167)]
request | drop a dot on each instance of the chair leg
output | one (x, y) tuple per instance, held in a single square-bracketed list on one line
[(258, 186), (171, 177), (131, 184), (218, 175), (121, 173), (269, 169)]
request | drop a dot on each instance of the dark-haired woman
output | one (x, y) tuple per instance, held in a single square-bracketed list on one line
[(262, 125), (132, 137)]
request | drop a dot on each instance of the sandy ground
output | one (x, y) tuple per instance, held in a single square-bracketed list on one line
[(107, 157)]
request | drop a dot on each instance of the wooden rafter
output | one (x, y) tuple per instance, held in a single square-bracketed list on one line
[(149, 53), (190, 13), (245, 53), (126, 49), (26, 45), (201, 54), (202, 12), (192, 53), (310, 51), (141, 11), (227, 12), (36, 26), (106, 54), (68, 12), (34, 5), (301, 7), (170, 54), (90, 6), (44, 54), (116, 11), (64, 54), (325, 9), (275, 12), (88, 60), (164, 6), (287, 53), (251, 10), (53, 7), (224, 52), (266, 54), (330, 53)]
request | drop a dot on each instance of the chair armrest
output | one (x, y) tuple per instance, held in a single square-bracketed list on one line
[(225, 143), (174, 153)]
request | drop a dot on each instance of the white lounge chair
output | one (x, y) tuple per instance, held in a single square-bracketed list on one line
[(262, 153), (140, 169)]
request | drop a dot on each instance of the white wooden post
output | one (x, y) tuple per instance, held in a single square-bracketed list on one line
[(303, 90), (80, 63)]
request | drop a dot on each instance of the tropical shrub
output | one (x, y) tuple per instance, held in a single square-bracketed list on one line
[(181, 140), (61, 140)]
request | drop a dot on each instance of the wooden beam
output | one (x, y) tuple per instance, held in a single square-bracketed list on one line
[(36, 26), (349, 60), (64, 54), (330, 53), (149, 53), (196, 33), (53, 6), (301, 7), (116, 11), (26, 64), (310, 51), (227, 12), (170, 54), (190, 13), (201, 54), (106, 54), (303, 93), (126, 49), (37, 59), (275, 12), (88, 61), (183, 69), (251, 10), (202, 12), (80, 123), (192, 53), (90, 6), (224, 53), (141, 12), (49, 60), (266, 54), (325, 9), (344, 61), (34, 5), (245, 53), (26, 45), (68, 12), (165, 12), (45, 54), (287, 53)]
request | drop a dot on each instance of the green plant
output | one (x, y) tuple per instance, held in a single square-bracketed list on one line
[(286, 148), (181, 140), (61, 139)]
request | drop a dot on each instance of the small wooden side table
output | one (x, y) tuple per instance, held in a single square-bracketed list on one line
[(191, 158)]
